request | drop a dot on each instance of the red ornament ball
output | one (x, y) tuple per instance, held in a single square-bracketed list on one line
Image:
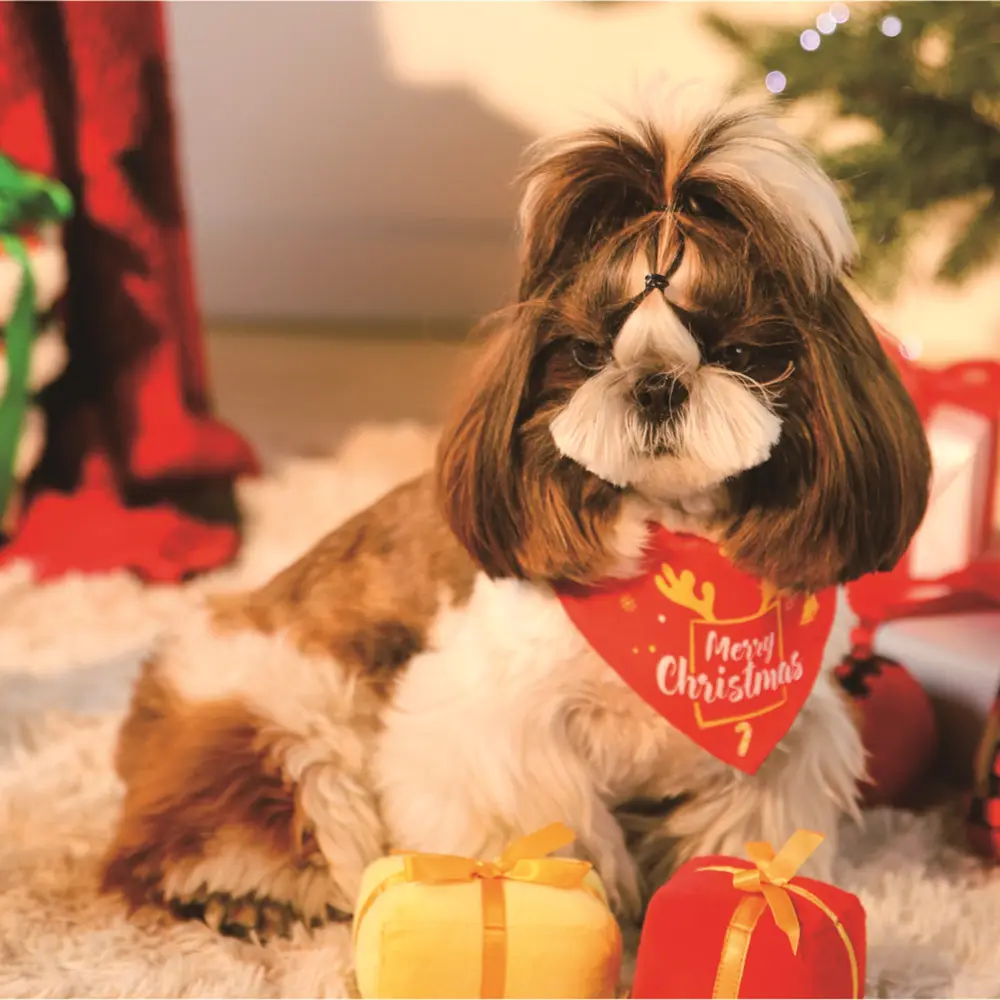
[(898, 727)]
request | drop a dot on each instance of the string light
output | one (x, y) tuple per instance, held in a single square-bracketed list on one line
[(810, 40), (775, 81), (826, 23), (891, 26), (840, 13)]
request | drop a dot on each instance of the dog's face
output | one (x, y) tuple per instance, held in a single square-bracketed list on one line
[(683, 334)]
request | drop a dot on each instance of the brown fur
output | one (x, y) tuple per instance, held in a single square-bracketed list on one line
[(584, 194), (513, 501), (736, 233), (846, 487), (191, 772), (367, 593)]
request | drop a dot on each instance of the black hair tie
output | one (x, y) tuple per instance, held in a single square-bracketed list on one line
[(661, 281)]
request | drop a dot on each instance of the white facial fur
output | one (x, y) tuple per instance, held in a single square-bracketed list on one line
[(724, 428)]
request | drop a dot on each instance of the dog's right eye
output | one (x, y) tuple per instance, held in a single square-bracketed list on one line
[(702, 206), (588, 355)]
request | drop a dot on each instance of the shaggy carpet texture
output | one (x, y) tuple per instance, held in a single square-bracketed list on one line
[(68, 652)]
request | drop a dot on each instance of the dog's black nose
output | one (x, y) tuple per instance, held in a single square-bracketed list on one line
[(659, 395)]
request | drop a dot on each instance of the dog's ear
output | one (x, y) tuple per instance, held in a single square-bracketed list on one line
[(581, 188), (478, 468), (847, 485), (517, 506)]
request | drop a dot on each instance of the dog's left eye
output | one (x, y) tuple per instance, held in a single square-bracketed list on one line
[(735, 357), (588, 355)]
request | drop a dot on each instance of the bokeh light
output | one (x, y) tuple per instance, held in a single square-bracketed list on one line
[(840, 13), (891, 26), (809, 39), (826, 23), (775, 81)]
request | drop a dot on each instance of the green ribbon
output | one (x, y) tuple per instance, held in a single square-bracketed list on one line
[(26, 201)]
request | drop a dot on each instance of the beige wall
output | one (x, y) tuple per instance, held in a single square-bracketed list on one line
[(354, 160)]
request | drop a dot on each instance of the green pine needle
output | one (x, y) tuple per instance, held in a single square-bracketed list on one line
[(933, 95), (975, 247)]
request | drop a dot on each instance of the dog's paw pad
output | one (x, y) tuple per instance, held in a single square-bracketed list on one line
[(335, 916), (275, 920), (248, 918)]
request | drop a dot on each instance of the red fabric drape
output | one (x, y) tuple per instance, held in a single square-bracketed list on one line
[(138, 473)]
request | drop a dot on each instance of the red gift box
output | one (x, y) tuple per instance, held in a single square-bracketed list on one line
[(726, 927), (953, 562)]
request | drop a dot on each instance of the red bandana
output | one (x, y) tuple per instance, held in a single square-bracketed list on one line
[(714, 650)]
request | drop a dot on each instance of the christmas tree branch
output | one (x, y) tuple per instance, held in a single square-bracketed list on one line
[(926, 75)]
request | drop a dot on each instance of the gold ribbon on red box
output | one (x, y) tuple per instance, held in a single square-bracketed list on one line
[(769, 887)]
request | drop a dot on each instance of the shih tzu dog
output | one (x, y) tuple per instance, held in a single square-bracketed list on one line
[(683, 353)]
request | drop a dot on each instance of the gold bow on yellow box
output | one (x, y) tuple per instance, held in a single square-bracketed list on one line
[(438, 924)]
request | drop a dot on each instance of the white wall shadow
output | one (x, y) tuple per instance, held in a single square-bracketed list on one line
[(319, 186)]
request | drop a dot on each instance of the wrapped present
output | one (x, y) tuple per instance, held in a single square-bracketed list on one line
[(526, 925), (953, 562), (48, 361), (32, 278), (723, 927), (958, 526), (938, 610)]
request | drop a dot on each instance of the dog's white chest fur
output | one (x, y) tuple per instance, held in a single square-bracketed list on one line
[(510, 721)]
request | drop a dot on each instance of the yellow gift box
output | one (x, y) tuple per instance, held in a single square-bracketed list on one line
[(525, 925)]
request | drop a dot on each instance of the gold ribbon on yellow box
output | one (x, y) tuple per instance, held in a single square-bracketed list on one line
[(769, 887), (422, 905)]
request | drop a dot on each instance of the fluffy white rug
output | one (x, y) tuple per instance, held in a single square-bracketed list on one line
[(68, 651)]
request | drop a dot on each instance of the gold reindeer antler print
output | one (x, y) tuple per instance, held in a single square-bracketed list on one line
[(768, 597), (680, 590), (810, 608)]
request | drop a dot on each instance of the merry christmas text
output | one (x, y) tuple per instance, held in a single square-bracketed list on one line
[(753, 675)]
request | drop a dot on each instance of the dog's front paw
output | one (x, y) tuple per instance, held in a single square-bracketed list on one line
[(622, 884), (249, 917)]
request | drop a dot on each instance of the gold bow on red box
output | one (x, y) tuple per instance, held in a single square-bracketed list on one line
[(770, 888)]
